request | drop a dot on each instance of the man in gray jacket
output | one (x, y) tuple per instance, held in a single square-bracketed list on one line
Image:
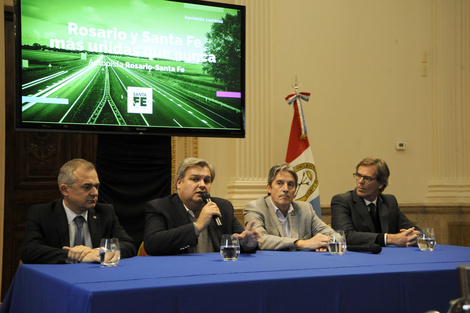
[(285, 224)]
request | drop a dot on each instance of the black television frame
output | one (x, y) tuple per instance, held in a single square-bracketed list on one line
[(238, 132)]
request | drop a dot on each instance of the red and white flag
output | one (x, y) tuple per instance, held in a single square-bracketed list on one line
[(299, 155)]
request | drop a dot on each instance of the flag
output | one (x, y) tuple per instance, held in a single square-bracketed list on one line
[(300, 157)]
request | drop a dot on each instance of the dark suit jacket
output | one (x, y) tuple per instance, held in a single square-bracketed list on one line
[(350, 213), (47, 232), (168, 229)]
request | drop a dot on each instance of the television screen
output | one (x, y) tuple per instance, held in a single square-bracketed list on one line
[(135, 66)]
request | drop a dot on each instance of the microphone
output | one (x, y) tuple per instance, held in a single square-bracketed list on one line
[(207, 198), (373, 248)]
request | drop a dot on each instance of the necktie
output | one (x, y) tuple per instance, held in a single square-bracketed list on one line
[(79, 220), (375, 217)]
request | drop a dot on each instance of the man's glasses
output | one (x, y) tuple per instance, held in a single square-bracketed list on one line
[(367, 179)]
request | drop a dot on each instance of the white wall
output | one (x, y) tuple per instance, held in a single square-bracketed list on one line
[(361, 60), (362, 63)]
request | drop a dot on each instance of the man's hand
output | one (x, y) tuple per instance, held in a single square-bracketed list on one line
[(205, 216), (405, 238), (82, 254), (250, 237), (319, 242), (414, 234)]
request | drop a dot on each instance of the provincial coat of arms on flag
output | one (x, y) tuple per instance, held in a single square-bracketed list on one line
[(299, 155)]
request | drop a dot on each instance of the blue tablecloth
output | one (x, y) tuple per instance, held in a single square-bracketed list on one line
[(396, 280)]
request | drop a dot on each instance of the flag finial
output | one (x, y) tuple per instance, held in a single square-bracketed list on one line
[(296, 99), (296, 85)]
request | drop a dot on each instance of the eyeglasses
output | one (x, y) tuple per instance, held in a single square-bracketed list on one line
[(367, 179)]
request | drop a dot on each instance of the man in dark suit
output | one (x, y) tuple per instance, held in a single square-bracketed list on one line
[(366, 215), (183, 222), (69, 230)]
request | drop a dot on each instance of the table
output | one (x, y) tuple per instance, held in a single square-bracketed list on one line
[(396, 280)]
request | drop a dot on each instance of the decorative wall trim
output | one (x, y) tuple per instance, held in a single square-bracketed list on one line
[(450, 95), (240, 192), (443, 217), (449, 192), (252, 156), (182, 148)]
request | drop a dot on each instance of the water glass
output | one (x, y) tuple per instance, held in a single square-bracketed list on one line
[(110, 253), (229, 247), (427, 239), (337, 244)]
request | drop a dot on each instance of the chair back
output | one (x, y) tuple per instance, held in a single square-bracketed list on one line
[(141, 251)]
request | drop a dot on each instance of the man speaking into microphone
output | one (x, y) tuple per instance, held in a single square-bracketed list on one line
[(190, 220)]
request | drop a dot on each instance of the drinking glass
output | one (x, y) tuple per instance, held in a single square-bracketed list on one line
[(229, 247), (427, 239), (337, 244), (110, 253)]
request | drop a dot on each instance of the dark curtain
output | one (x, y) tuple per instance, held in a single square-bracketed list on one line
[(133, 170)]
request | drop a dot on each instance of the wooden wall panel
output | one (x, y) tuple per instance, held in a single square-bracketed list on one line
[(451, 222), (32, 163), (459, 234)]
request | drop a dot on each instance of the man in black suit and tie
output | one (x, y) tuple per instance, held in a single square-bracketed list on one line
[(69, 230), (366, 215), (184, 223)]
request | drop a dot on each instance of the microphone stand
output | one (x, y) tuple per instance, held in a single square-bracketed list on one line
[(462, 305)]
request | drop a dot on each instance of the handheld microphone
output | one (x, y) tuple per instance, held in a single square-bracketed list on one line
[(207, 198), (373, 248)]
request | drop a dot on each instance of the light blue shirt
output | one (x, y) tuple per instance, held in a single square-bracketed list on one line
[(284, 220), (73, 227)]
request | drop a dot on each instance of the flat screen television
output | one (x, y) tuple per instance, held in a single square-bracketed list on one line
[(163, 67)]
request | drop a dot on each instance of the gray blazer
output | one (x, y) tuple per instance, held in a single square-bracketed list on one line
[(304, 224)]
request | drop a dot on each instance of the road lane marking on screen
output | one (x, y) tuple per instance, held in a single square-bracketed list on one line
[(41, 80), (45, 100), (174, 96), (51, 89)]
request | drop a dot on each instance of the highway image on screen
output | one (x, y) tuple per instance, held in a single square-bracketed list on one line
[(172, 72)]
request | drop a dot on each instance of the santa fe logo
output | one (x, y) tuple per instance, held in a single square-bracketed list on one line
[(139, 100)]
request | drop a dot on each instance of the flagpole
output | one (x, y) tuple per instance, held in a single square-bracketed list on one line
[(299, 154)]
